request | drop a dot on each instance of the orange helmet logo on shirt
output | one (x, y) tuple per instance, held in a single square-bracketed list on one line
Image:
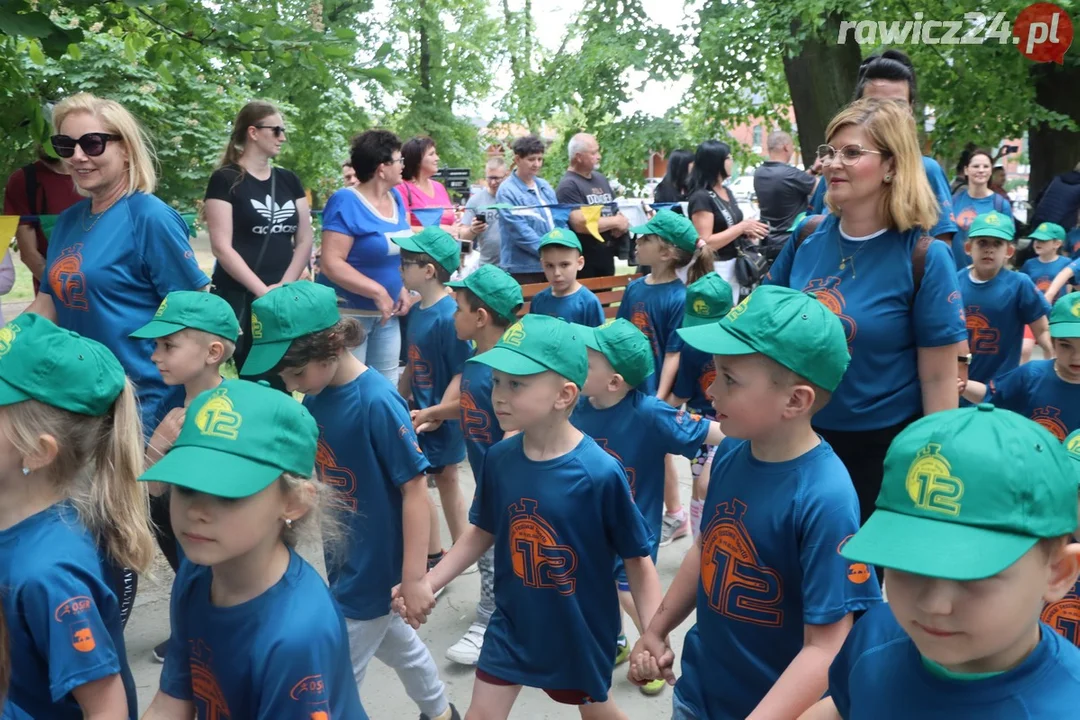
[(82, 639)]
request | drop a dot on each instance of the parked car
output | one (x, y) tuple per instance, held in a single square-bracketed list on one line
[(742, 188)]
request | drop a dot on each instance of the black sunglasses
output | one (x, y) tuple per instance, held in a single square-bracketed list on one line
[(278, 130), (93, 144)]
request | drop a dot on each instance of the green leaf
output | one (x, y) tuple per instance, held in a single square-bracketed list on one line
[(33, 49), (130, 52), (166, 74), (74, 51), (31, 24)]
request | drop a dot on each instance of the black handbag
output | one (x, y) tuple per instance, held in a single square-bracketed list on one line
[(751, 264)]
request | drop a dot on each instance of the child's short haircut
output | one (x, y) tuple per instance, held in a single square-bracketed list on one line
[(208, 337), (786, 378), (327, 344), (441, 273), (476, 304)]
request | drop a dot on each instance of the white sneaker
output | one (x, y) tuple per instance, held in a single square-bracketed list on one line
[(470, 570), (466, 651)]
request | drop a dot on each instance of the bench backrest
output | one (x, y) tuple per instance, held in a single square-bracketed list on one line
[(608, 289)]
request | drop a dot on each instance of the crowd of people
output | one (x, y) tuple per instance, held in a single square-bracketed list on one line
[(865, 414)]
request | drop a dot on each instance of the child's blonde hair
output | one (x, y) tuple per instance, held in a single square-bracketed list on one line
[(907, 201), (323, 519), (700, 261), (228, 346), (97, 466)]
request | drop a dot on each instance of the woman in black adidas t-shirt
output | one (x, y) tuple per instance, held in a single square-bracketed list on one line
[(259, 241)]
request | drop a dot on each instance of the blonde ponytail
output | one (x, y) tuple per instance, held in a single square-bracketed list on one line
[(97, 465)]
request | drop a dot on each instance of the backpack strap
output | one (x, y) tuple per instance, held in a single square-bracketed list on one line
[(30, 180), (809, 225), (918, 260)]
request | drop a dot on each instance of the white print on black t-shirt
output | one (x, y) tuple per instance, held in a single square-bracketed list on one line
[(598, 198), (279, 214)]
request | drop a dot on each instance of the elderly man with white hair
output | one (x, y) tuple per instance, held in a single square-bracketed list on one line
[(783, 191), (584, 185)]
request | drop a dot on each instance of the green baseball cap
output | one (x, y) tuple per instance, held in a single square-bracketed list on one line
[(247, 432), (284, 314), (435, 242), (1072, 446), (558, 236), (788, 326), (537, 343), (965, 493), (1065, 317), (57, 367), (992, 225), (708, 300), (1048, 231), (624, 346), (671, 227), (495, 287), (192, 309)]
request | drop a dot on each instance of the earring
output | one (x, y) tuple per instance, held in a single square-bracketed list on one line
[(26, 471), (288, 523), (888, 178)]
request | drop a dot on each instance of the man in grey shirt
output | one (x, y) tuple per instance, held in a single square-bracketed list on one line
[(783, 191), (487, 240)]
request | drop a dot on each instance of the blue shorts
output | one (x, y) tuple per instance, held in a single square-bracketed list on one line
[(680, 710), (445, 445)]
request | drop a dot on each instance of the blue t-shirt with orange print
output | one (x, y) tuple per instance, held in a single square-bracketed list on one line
[(997, 312), (478, 422), (771, 535), (1035, 391), (367, 451), (657, 311), (281, 655), (697, 371), (558, 524), (1043, 273)]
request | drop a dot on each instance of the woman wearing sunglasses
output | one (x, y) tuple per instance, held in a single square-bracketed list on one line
[(258, 216), (113, 257), (862, 262)]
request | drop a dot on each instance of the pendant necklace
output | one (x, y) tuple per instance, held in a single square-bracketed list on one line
[(850, 258), (95, 217)]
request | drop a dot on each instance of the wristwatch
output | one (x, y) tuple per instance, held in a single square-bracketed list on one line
[(964, 359)]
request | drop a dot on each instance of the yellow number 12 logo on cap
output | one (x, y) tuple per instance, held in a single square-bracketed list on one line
[(514, 334), (931, 486), (216, 418)]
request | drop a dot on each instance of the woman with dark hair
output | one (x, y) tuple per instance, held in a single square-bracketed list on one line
[(975, 198), (673, 188), (418, 188), (359, 258), (258, 217), (714, 212), (522, 229)]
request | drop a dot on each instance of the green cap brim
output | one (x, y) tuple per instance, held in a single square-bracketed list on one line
[(409, 243), (937, 549), (156, 329), (510, 362), (1065, 330), (1042, 236), (690, 321), (713, 339), (10, 395), (996, 234), (180, 466), (264, 357), (574, 244), (642, 230)]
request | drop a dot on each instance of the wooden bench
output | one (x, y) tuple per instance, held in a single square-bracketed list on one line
[(609, 291)]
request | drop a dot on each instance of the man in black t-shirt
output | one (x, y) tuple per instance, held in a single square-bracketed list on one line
[(583, 185), (782, 190)]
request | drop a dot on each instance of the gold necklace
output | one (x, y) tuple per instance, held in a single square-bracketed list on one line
[(96, 217), (850, 258)]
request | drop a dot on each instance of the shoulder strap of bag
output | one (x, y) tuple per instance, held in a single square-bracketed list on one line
[(918, 260), (30, 179), (807, 228)]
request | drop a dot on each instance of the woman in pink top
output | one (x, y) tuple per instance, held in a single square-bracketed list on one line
[(419, 189)]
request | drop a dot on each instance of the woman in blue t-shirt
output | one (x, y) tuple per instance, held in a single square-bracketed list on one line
[(902, 324), (359, 259), (976, 198)]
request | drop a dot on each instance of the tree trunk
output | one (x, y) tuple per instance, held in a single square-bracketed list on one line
[(821, 80), (1051, 151), (425, 48)]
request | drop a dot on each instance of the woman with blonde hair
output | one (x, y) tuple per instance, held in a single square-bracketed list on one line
[(114, 257), (258, 217), (894, 287)]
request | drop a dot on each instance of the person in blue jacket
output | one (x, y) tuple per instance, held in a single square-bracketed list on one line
[(530, 218)]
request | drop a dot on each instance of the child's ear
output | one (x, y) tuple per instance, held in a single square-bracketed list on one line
[(300, 501), (800, 400), (44, 454), (215, 351), (1010, 250), (968, 245), (567, 397), (580, 262), (1064, 569)]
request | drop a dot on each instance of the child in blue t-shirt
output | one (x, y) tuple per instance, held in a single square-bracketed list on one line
[(707, 301), (255, 631), (72, 513), (1046, 391), (436, 357), (487, 303), (565, 297), (559, 511), (367, 452), (773, 596), (973, 528), (998, 303), (1064, 615), (668, 243), (1065, 278), (1048, 261), (8, 709), (638, 430)]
